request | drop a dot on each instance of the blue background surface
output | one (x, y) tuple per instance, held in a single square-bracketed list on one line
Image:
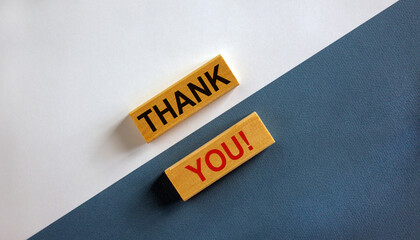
[(346, 163)]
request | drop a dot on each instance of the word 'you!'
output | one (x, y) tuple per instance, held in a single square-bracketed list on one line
[(219, 156)]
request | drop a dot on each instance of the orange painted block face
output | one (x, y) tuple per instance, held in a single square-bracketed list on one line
[(219, 156), (184, 98)]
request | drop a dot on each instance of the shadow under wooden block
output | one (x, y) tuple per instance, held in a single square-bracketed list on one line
[(165, 192), (128, 135)]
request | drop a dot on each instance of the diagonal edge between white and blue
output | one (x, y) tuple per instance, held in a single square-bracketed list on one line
[(71, 72)]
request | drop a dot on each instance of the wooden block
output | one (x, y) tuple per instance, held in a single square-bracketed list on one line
[(219, 156), (184, 98)]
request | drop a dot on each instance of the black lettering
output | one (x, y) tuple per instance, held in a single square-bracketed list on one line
[(178, 96), (216, 77), (145, 115), (167, 109), (194, 88)]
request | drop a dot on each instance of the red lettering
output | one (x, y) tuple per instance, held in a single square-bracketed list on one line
[(242, 134), (222, 157), (238, 146), (197, 170)]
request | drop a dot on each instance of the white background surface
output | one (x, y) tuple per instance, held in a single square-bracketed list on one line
[(70, 71)]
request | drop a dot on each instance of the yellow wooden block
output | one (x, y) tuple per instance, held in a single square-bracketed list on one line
[(219, 156), (183, 98)]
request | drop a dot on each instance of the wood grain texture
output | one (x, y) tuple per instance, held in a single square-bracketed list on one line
[(219, 156), (183, 98)]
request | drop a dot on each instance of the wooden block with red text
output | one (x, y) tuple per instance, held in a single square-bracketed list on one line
[(219, 156), (183, 98)]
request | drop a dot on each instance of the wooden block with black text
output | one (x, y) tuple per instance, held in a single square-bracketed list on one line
[(219, 156), (183, 98)]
